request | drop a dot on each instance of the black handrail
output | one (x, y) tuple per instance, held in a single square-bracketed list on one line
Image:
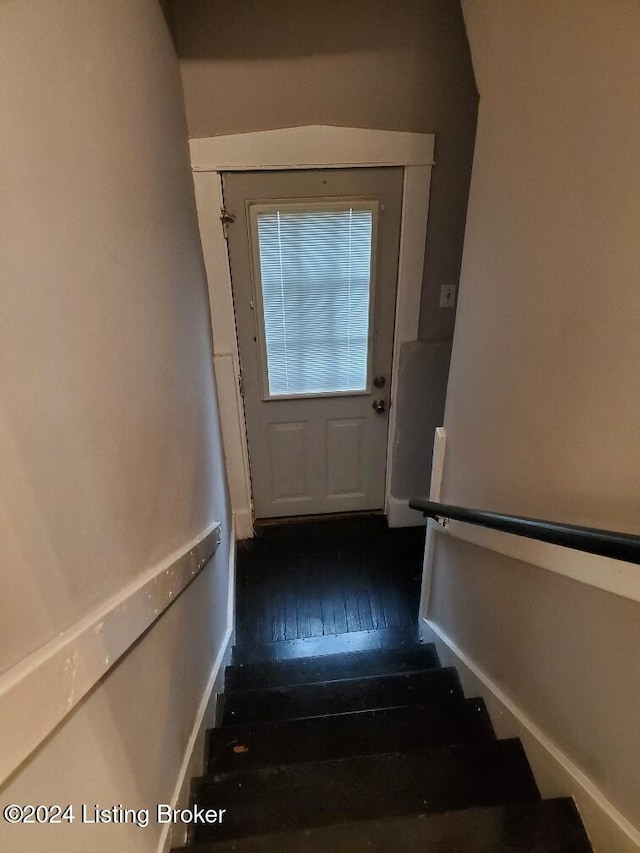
[(606, 543)]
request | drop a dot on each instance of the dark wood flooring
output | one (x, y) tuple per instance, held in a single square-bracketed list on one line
[(304, 579)]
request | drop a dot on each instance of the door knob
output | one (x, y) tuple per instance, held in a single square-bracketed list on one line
[(379, 381), (379, 406)]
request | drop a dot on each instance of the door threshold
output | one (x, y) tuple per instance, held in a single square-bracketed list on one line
[(261, 523)]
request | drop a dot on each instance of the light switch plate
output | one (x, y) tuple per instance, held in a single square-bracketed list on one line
[(448, 295)]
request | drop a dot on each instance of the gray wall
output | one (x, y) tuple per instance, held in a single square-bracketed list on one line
[(110, 446), (543, 406), (251, 65)]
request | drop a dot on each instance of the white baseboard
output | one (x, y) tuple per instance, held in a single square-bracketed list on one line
[(243, 523), (175, 835), (556, 774), (399, 515)]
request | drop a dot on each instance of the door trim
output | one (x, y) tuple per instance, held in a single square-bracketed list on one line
[(316, 146), (309, 147)]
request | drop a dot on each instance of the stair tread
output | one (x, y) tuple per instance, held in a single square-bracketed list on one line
[(324, 792), (352, 641), (357, 694), (333, 667), (364, 732), (547, 826)]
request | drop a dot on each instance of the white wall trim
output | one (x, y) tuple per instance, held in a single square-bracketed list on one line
[(174, 835), (413, 236), (234, 441), (244, 524), (615, 576), (603, 820), (38, 693), (315, 146), (400, 515), (437, 471), (427, 565), (226, 359), (437, 463)]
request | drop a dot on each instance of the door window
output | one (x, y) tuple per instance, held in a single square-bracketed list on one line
[(313, 268)]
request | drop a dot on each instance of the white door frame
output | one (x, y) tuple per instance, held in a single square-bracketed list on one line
[(310, 147)]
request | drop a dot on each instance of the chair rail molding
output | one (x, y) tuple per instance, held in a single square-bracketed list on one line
[(616, 576), (56, 677)]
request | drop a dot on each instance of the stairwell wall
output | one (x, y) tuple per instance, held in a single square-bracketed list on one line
[(543, 405), (109, 431)]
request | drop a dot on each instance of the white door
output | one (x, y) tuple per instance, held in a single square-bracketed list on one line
[(314, 262)]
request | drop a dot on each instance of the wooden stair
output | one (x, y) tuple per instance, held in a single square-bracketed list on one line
[(371, 749)]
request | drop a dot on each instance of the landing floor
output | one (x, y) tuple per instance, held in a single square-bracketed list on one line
[(304, 579)]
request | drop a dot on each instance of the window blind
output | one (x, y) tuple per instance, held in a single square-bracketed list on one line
[(315, 274)]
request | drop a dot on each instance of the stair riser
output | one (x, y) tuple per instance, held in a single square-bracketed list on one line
[(367, 787), (552, 826), (340, 697), (394, 730), (331, 644), (330, 668)]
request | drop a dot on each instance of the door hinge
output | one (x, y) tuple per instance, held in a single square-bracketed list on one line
[(227, 219), (240, 385)]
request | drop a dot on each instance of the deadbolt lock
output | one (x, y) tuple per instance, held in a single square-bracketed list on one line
[(379, 381), (379, 406)]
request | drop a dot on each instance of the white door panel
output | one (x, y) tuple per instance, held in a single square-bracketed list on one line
[(346, 451), (314, 258), (291, 474)]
